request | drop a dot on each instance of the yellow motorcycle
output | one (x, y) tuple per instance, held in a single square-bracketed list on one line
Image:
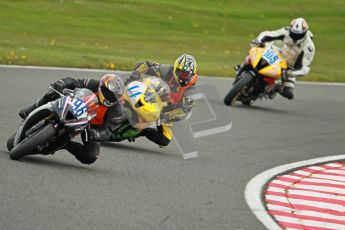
[(256, 77), (142, 105)]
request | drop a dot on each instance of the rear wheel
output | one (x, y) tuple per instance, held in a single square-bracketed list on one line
[(32, 143), (237, 89)]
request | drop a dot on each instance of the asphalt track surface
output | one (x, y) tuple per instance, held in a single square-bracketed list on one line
[(140, 186)]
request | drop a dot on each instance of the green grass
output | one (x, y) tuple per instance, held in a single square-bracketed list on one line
[(118, 34)]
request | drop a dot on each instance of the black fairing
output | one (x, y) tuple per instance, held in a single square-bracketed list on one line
[(262, 64), (33, 118), (257, 87)]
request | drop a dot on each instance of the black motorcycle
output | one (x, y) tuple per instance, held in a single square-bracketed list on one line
[(51, 126)]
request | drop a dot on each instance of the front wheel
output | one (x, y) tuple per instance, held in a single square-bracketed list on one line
[(30, 145), (237, 89), (10, 142)]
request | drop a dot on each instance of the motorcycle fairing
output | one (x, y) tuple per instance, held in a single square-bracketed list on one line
[(267, 62), (37, 114)]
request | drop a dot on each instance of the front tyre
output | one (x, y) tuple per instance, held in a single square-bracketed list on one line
[(237, 89), (29, 145), (10, 142)]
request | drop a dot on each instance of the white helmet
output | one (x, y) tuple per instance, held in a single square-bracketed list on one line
[(298, 30)]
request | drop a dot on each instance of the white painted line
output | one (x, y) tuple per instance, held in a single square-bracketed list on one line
[(275, 207), (120, 71), (336, 165), (303, 212), (338, 178), (285, 183), (315, 204), (310, 223), (303, 173), (297, 82), (254, 188), (322, 178), (291, 177), (321, 188), (59, 68), (317, 168), (307, 193), (316, 180), (337, 171)]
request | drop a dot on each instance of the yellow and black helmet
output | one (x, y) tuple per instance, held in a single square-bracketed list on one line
[(111, 88), (185, 69)]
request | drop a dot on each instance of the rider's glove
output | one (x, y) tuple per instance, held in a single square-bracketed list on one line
[(58, 85), (93, 134), (287, 74), (97, 134), (67, 82), (134, 76), (188, 103), (90, 134), (256, 43)]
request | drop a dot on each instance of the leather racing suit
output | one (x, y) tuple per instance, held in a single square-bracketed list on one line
[(180, 105), (298, 54)]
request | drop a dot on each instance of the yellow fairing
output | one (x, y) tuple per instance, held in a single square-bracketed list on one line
[(147, 111), (255, 55), (274, 70)]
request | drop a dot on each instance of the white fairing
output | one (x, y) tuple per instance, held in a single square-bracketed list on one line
[(135, 90)]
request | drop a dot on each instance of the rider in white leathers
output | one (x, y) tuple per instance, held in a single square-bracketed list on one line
[(298, 50)]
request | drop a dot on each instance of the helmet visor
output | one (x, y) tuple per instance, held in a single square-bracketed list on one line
[(108, 95), (184, 77), (297, 36)]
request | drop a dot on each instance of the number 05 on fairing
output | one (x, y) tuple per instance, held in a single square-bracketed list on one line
[(257, 76)]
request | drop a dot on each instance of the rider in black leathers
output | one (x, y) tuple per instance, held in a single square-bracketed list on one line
[(109, 116), (108, 89)]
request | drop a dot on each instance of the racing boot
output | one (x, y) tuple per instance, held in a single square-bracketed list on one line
[(288, 93), (24, 112), (86, 153), (49, 96)]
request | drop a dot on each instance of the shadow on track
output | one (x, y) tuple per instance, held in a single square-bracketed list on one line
[(135, 149), (52, 163), (267, 109), (45, 161)]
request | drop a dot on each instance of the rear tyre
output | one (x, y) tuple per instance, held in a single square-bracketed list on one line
[(236, 90), (29, 146)]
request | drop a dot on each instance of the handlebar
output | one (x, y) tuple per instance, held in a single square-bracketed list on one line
[(65, 92)]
